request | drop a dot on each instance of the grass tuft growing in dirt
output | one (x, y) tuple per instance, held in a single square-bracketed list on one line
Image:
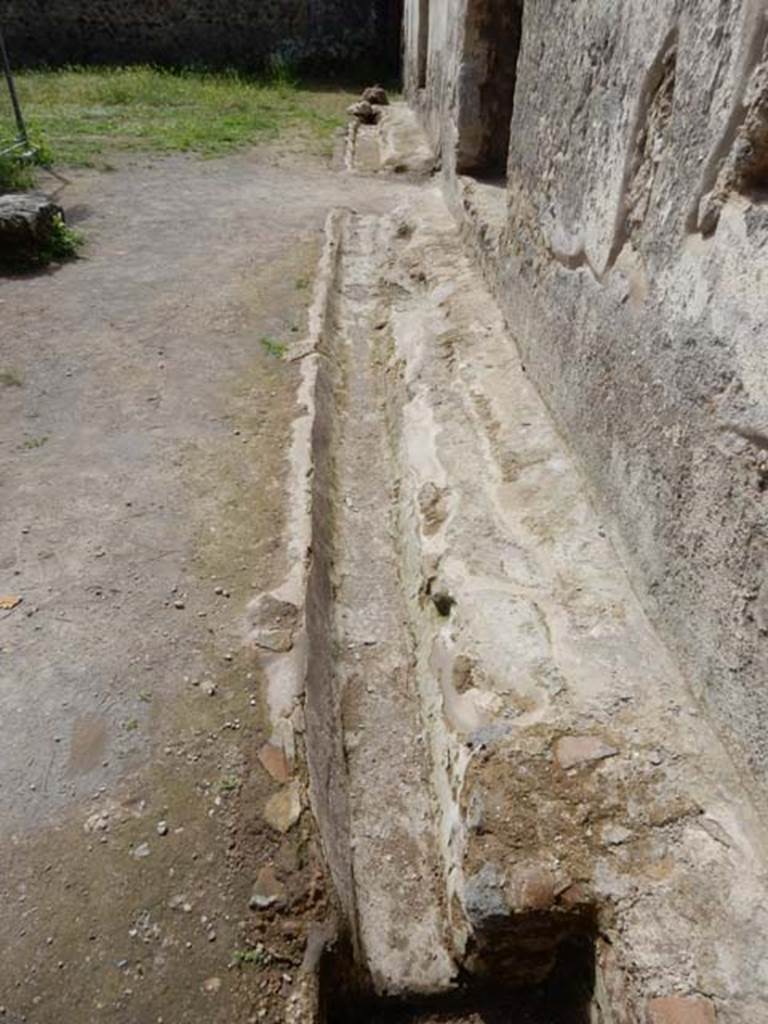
[(83, 114), (11, 379)]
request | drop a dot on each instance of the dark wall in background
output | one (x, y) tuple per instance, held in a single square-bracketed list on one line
[(316, 34)]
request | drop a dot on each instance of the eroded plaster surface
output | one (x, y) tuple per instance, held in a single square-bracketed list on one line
[(627, 250)]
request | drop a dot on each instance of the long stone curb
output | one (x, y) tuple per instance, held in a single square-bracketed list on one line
[(277, 619)]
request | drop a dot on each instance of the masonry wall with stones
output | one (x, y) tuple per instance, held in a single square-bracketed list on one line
[(322, 33), (625, 233)]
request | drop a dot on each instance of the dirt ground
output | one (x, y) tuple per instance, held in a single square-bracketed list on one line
[(145, 414)]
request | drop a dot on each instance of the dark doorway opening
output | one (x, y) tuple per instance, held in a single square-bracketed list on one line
[(422, 40), (487, 83)]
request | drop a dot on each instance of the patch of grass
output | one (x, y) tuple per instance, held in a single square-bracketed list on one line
[(17, 170), (273, 347), (34, 442), (15, 175), (83, 113), (229, 784), (131, 725), (11, 379)]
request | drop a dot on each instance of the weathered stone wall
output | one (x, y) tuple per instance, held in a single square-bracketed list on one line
[(632, 264), (240, 32)]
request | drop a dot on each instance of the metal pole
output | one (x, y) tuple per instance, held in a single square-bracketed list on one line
[(20, 125)]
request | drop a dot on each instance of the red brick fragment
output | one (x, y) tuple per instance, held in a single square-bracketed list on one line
[(275, 762), (681, 1010)]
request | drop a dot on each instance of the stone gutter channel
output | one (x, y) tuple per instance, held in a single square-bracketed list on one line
[(521, 809)]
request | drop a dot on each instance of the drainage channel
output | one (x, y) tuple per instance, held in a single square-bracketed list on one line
[(368, 756), (393, 855), (368, 745)]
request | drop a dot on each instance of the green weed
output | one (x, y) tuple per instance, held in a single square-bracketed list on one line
[(229, 784), (34, 442), (258, 956), (11, 379), (63, 244), (273, 348)]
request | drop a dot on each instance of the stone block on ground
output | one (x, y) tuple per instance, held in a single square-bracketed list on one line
[(26, 225)]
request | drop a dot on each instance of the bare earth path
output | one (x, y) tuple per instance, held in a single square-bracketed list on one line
[(144, 424)]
